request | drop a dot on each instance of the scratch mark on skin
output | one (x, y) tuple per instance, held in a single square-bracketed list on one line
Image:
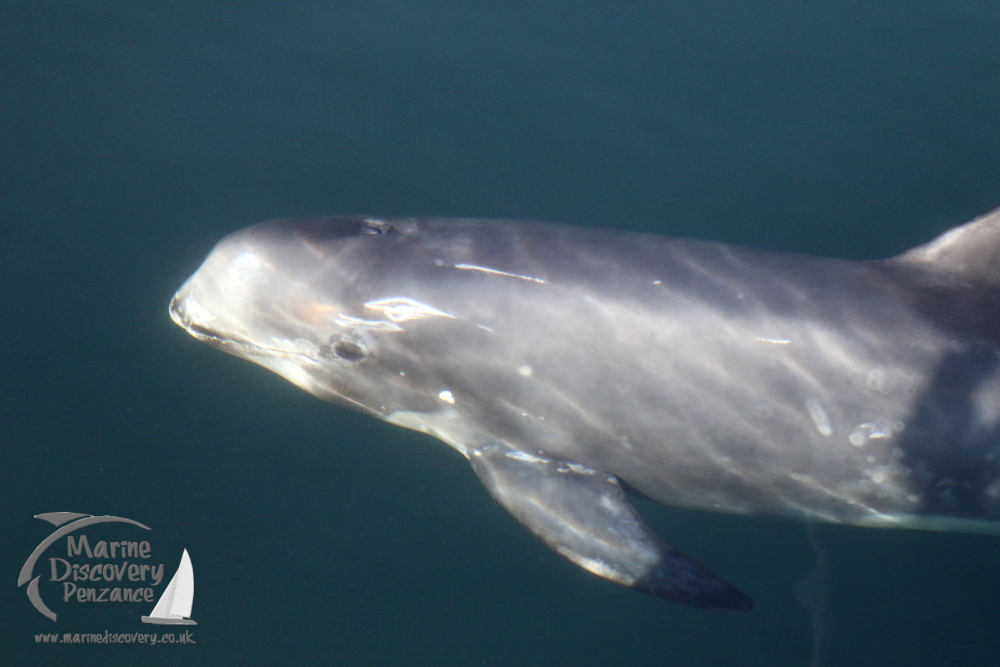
[(473, 267)]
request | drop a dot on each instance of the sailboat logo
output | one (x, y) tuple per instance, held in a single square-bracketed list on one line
[(174, 606)]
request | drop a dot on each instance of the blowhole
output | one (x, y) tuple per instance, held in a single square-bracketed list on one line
[(375, 227)]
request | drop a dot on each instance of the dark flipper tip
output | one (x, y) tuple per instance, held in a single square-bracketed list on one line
[(677, 578)]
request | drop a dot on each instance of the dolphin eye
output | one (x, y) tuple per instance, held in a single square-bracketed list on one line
[(375, 227), (348, 351)]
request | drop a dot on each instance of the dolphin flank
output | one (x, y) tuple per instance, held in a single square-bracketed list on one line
[(567, 362)]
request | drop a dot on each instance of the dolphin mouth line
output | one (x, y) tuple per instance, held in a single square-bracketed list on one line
[(247, 349), (232, 345), (242, 346)]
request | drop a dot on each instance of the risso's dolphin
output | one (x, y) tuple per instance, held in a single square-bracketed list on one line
[(567, 363)]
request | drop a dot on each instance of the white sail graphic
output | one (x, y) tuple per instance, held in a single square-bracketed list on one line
[(174, 606)]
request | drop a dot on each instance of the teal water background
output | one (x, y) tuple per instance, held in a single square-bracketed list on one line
[(134, 135)]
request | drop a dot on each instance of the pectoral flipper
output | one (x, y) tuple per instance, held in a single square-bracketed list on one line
[(584, 515)]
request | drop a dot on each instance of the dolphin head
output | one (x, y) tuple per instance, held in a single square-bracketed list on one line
[(294, 296)]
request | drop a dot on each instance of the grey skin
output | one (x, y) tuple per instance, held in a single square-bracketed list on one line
[(563, 362)]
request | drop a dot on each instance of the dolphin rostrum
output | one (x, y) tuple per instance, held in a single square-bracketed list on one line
[(568, 363)]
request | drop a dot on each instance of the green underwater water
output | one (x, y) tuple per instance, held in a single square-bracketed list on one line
[(135, 135)]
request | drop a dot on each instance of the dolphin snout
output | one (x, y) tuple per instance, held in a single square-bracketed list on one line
[(177, 311)]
